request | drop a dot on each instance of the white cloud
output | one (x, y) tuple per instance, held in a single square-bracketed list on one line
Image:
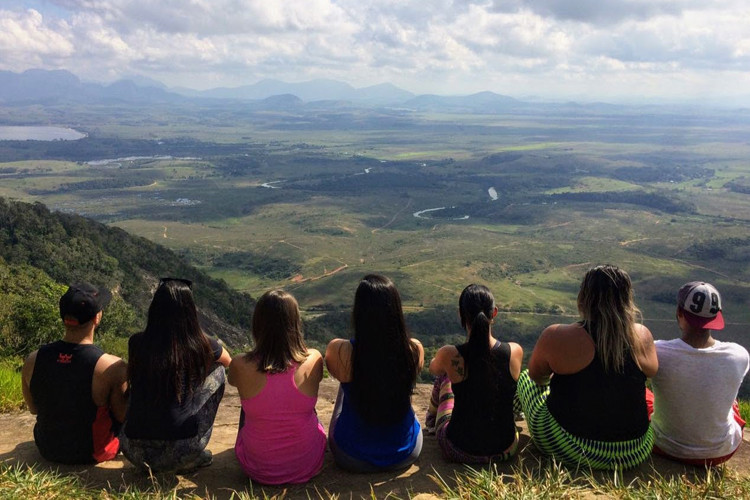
[(444, 46), (26, 40)]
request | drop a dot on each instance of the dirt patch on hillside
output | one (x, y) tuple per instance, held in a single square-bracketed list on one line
[(225, 475)]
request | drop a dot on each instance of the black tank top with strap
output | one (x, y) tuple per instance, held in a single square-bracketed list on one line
[(69, 426), (600, 405), (481, 425)]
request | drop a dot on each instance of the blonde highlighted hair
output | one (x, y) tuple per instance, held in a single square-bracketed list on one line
[(609, 313)]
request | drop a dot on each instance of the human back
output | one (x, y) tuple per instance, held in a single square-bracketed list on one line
[(373, 426), (472, 401), (280, 439), (696, 417), (586, 380), (75, 389), (176, 375)]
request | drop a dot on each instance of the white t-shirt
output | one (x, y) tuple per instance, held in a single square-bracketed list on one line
[(693, 394)]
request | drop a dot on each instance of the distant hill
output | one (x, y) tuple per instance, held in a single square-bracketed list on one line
[(52, 87), (313, 90), (60, 86), (482, 102), (70, 248)]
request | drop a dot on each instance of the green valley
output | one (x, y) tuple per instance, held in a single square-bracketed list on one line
[(312, 198)]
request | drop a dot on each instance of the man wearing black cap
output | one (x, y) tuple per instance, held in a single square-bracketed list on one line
[(695, 418), (76, 390)]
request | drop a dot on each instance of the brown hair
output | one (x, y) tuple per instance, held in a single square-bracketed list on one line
[(605, 302), (277, 332)]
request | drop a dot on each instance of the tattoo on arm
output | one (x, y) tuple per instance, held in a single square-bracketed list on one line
[(456, 364)]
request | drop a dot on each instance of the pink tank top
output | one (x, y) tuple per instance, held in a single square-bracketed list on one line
[(281, 440)]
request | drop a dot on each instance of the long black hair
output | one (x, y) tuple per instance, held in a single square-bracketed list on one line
[(171, 357), (476, 307), (384, 360)]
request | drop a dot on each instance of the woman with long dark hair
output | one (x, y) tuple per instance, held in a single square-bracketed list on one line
[(584, 392), (373, 426), (471, 409), (280, 439), (176, 380)]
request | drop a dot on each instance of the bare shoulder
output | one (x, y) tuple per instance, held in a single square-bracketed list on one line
[(337, 344), (647, 357), (109, 359), (28, 367), (442, 360), (549, 335), (515, 346), (314, 353), (313, 357), (560, 336), (338, 350), (29, 362), (644, 334), (242, 362), (112, 366), (515, 349), (446, 352), (337, 359)]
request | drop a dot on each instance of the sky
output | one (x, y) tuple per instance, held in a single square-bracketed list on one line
[(610, 50)]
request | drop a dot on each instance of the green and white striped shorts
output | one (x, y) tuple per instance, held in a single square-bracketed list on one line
[(553, 440)]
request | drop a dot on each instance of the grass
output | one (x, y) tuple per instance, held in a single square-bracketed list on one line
[(11, 396), (23, 481), (528, 479), (548, 480), (745, 408)]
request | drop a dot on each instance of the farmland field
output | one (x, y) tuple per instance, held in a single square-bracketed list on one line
[(310, 201)]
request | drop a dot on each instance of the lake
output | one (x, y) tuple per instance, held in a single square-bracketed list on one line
[(45, 133)]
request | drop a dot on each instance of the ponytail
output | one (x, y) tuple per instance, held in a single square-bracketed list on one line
[(479, 345), (476, 307)]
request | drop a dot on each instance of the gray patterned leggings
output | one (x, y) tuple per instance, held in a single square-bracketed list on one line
[(181, 455)]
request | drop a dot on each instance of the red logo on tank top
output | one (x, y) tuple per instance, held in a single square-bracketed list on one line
[(64, 358)]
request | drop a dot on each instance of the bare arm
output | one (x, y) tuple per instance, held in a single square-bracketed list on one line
[(232, 371), (540, 370), (647, 358), (439, 364), (516, 358), (420, 353), (225, 359), (338, 357), (117, 374), (26, 373)]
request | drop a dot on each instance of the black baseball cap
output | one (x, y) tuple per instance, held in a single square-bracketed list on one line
[(82, 302)]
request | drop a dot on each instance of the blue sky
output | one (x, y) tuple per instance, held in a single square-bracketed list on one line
[(557, 49)]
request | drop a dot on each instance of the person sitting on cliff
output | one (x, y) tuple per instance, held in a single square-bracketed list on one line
[(584, 391), (696, 418), (280, 439), (475, 387), (76, 391), (176, 378)]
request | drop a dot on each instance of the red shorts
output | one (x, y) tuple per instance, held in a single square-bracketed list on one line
[(705, 462)]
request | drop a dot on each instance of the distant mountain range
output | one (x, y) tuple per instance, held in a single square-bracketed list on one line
[(38, 86)]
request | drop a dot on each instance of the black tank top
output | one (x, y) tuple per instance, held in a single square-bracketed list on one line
[(68, 423), (595, 404), (480, 425)]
